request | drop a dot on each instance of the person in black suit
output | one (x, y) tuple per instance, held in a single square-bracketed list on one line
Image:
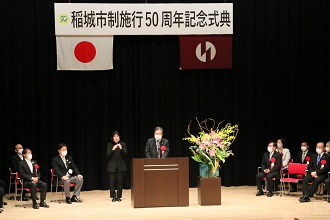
[(305, 152), (327, 181), (16, 158), (67, 171), (31, 179), (157, 147), (317, 172), (303, 156), (270, 168), (116, 151)]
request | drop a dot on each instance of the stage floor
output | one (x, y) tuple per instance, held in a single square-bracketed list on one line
[(237, 203)]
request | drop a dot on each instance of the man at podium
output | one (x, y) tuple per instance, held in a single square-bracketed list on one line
[(157, 147)]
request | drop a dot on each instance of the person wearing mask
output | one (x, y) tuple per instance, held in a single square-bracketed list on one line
[(67, 172), (327, 148), (303, 156), (270, 168), (16, 158), (285, 153), (116, 152), (31, 179), (157, 147), (317, 172)]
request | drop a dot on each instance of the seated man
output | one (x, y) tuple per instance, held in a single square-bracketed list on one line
[(67, 171), (31, 179), (317, 172), (15, 159), (157, 147), (270, 168), (304, 153)]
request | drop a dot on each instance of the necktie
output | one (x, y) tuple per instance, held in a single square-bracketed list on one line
[(318, 159), (157, 145), (303, 157), (64, 161), (270, 156), (30, 166)]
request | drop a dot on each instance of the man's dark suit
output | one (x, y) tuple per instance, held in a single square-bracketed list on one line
[(15, 159), (61, 170), (299, 157), (26, 175), (321, 173), (274, 171), (151, 148)]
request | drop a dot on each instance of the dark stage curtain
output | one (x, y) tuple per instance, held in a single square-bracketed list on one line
[(278, 87)]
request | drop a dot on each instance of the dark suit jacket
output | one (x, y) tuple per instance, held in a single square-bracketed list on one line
[(151, 148), (15, 159), (25, 172), (312, 166), (266, 163), (60, 169), (299, 155), (116, 158)]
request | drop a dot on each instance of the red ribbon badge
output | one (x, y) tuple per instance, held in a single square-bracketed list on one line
[(323, 162), (273, 160), (308, 158), (36, 166), (163, 148)]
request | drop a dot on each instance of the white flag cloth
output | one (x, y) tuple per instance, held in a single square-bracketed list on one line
[(84, 52)]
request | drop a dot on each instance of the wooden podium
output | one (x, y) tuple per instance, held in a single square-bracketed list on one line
[(160, 182)]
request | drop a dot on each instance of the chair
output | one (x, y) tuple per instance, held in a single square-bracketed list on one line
[(12, 181), (297, 172), (55, 182), (20, 182), (265, 179)]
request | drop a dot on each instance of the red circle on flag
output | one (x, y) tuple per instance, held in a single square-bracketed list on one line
[(85, 51)]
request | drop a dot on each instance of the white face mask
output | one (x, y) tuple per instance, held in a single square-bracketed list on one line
[(327, 149), (29, 157), (64, 153), (270, 149), (319, 150), (303, 148), (158, 137), (20, 151)]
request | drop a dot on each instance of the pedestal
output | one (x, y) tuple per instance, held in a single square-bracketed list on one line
[(209, 191)]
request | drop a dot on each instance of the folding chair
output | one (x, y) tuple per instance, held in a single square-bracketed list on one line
[(55, 182), (20, 182), (297, 172), (265, 179), (12, 181)]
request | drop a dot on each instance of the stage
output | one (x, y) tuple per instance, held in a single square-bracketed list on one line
[(237, 203)]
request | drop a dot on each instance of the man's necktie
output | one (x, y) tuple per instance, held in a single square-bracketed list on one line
[(64, 161), (270, 156), (318, 159), (303, 157), (157, 145)]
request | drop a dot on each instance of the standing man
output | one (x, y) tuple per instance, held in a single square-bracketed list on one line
[(67, 172), (157, 147), (317, 172), (270, 168), (31, 180)]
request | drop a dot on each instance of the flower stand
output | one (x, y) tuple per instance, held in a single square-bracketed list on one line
[(209, 190)]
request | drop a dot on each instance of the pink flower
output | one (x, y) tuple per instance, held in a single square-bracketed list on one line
[(198, 141), (202, 147), (212, 152), (207, 142)]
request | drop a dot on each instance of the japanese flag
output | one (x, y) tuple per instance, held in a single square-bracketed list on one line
[(84, 52)]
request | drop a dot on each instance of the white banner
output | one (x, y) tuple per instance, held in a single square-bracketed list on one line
[(143, 19)]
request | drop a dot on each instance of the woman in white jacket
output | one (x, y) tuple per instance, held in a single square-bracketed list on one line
[(286, 156)]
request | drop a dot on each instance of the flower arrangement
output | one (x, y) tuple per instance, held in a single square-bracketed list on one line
[(212, 145)]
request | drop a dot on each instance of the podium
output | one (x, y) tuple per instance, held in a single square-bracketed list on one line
[(160, 182)]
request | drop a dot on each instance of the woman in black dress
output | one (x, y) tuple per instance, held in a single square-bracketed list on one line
[(116, 151)]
